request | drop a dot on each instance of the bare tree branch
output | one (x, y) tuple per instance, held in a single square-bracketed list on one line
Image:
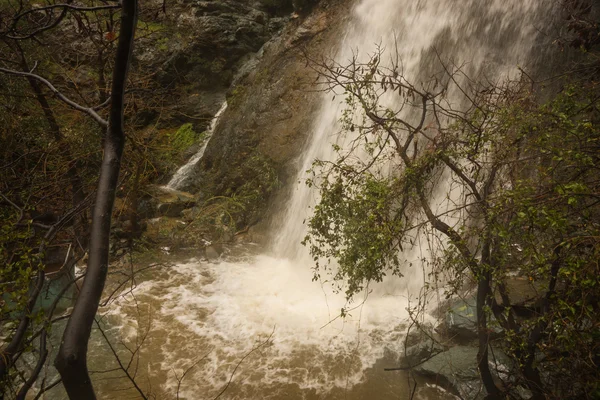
[(87, 110)]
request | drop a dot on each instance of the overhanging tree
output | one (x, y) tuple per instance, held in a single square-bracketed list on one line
[(520, 183)]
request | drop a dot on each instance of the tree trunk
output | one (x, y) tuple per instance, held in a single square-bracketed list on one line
[(71, 360), (484, 294), (483, 336)]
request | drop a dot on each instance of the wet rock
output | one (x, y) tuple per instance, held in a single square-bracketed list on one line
[(195, 49), (419, 353), (456, 370), (523, 294), (212, 253), (311, 26), (168, 202), (460, 320), (270, 114)]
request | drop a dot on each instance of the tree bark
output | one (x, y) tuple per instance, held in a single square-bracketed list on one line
[(483, 336), (484, 294), (71, 361)]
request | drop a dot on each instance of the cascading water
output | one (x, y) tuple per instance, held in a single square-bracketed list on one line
[(183, 174), (220, 311)]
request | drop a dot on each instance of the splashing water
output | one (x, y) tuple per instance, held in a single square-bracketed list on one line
[(219, 312)]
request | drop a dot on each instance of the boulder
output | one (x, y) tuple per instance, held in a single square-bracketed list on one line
[(213, 252), (456, 370), (162, 201), (419, 353), (460, 320)]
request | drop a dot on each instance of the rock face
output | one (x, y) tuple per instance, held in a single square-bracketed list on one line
[(271, 109), (203, 45)]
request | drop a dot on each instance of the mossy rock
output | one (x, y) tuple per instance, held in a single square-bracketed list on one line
[(162, 201)]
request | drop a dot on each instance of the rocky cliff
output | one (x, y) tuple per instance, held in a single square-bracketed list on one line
[(196, 47), (271, 106)]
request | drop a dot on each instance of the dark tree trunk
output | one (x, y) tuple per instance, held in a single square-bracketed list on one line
[(71, 360), (483, 336), (484, 294)]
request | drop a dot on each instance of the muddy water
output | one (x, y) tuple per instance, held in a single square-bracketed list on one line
[(258, 322)]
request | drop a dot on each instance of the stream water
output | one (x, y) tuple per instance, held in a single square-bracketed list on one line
[(256, 318), (182, 174)]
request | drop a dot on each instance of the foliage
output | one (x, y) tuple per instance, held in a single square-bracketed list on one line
[(184, 138), (518, 181), (354, 225), (50, 157)]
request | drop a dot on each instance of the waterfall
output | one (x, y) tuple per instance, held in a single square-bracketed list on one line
[(183, 174), (224, 309), (493, 38)]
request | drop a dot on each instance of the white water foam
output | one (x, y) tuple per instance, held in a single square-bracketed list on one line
[(225, 309)]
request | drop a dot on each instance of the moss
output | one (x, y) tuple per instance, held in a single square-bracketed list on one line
[(150, 26), (236, 96), (162, 44), (183, 138), (169, 145)]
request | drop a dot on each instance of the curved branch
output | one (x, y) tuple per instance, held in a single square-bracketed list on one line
[(87, 110), (62, 15), (68, 6), (71, 360)]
